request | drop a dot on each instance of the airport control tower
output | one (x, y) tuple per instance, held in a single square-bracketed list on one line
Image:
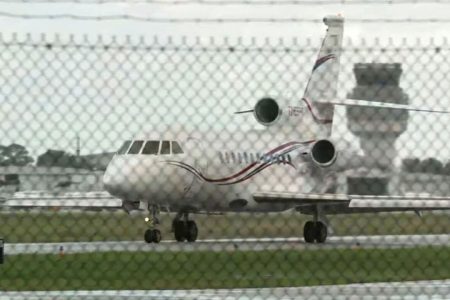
[(377, 129)]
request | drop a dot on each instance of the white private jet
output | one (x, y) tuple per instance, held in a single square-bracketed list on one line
[(289, 164)]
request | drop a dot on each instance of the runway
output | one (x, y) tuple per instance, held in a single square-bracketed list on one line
[(418, 290), (248, 244)]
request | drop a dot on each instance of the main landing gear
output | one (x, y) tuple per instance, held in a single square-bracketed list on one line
[(315, 231), (152, 235), (184, 229)]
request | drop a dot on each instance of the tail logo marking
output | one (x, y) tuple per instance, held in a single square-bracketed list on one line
[(323, 59)]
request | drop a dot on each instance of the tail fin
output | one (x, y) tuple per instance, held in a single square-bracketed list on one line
[(323, 81)]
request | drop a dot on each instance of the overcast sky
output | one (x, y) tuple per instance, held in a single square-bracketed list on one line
[(34, 98)]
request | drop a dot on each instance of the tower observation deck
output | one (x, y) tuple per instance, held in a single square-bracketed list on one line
[(378, 129)]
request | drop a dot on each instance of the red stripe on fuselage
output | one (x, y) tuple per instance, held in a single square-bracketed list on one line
[(241, 172)]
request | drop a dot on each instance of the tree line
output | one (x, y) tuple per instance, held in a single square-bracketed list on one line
[(18, 155), (429, 165)]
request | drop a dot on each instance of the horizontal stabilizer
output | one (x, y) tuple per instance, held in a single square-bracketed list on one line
[(387, 105)]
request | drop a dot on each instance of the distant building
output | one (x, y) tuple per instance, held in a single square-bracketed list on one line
[(98, 161), (377, 129), (31, 178), (54, 174), (420, 183)]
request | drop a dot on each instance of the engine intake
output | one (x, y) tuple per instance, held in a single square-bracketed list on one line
[(323, 153), (267, 111)]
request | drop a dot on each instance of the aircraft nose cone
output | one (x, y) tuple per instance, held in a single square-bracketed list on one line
[(124, 178), (111, 182), (114, 178)]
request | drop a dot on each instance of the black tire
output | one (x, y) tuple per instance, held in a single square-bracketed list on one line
[(321, 232), (309, 232), (156, 236), (148, 236), (152, 236), (179, 231), (191, 231)]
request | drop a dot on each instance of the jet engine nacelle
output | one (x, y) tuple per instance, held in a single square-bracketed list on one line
[(267, 111), (323, 153)]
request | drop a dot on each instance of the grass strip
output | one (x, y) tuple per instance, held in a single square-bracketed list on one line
[(28, 227), (236, 269)]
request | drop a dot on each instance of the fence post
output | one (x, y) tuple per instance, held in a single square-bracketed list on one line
[(1, 251)]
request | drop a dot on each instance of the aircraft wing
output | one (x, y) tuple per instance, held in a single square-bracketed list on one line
[(367, 202), (86, 200)]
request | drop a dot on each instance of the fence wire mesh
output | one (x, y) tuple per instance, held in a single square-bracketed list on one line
[(200, 168)]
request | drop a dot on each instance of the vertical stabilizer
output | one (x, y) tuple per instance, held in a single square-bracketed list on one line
[(322, 84)]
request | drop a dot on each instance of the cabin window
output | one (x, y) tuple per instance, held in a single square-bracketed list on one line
[(222, 159), (281, 159), (264, 158), (136, 147), (233, 157), (176, 149), (246, 157), (151, 147), (259, 156), (123, 149), (165, 148)]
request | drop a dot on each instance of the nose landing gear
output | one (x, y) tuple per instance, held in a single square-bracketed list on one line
[(152, 235)]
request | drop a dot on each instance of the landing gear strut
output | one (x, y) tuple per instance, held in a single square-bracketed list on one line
[(184, 229), (152, 235)]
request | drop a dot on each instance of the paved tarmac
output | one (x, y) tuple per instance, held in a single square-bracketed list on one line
[(418, 290), (249, 244)]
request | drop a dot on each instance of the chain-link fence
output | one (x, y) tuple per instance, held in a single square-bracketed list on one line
[(206, 168)]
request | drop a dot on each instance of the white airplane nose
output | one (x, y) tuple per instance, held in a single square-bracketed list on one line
[(130, 177), (142, 178), (114, 179), (111, 182)]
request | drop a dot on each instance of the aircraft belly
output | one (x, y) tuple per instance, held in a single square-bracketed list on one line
[(236, 198)]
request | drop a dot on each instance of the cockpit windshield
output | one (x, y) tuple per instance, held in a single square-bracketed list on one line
[(165, 148), (176, 149), (150, 147), (135, 147), (123, 149)]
